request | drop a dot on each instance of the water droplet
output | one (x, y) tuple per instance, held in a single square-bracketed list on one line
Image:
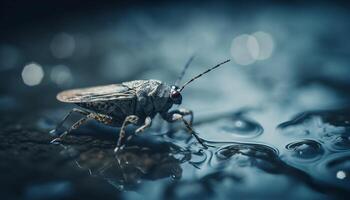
[(230, 129), (305, 149), (242, 127), (341, 174)]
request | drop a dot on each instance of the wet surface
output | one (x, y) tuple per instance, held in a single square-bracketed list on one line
[(275, 128)]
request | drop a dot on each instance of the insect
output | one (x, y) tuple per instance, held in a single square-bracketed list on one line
[(134, 102)]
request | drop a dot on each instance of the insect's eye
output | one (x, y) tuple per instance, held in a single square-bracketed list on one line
[(175, 94)]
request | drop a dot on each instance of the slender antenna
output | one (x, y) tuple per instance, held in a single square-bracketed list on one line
[(183, 71), (199, 75)]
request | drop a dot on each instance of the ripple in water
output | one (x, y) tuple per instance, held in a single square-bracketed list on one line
[(240, 154), (322, 125), (198, 157), (305, 149)]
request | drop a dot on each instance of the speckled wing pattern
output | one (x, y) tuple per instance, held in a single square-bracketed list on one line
[(98, 93)]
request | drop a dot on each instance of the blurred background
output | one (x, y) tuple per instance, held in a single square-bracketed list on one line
[(290, 63)]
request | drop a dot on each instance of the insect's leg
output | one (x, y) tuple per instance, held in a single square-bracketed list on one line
[(105, 119), (74, 110), (98, 117), (181, 111), (131, 119), (176, 116), (189, 127), (184, 112), (147, 124), (74, 126)]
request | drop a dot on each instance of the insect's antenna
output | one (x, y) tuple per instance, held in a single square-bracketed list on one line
[(199, 75), (178, 80)]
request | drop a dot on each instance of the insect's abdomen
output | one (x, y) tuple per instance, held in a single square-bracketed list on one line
[(117, 109)]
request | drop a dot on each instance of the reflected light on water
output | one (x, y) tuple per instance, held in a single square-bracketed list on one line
[(62, 45), (32, 74), (341, 174)]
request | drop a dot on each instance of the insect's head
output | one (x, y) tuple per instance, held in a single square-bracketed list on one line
[(175, 91), (175, 95)]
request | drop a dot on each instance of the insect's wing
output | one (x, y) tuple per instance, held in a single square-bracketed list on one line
[(98, 93)]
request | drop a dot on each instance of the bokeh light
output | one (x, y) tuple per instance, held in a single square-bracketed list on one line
[(62, 45), (32, 74), (244, 49), (266, 45), (61, 75)]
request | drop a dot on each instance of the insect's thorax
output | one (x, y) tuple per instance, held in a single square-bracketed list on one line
[(152, 97)]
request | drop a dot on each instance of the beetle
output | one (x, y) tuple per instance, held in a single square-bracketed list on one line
[(134, 102)]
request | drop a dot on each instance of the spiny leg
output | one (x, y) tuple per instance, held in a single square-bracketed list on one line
[(98, 117), (74, 110), (73, 127), (177, 115), (189, 127), (131, 119)]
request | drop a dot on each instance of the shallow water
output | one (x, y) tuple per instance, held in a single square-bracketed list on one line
[(276, 128), (310, 162)]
